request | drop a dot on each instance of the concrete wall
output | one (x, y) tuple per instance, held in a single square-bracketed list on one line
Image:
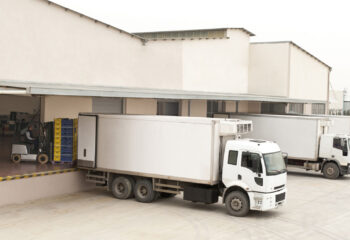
[(230, 106), (61, 47), (12, 103), (308, 77), (67, 48), (198, 108), (64, 107), (308, 109), (184, 107), (283, 69), (269, 69), (22, 190), (216, 65), (140, 106), (249, 107)]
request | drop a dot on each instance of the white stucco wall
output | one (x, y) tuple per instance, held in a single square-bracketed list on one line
[(283, 69), (41, 42), (308, 77), (269, 69), (44, 43), (219, 65)]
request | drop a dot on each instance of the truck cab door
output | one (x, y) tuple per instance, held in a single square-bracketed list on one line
[(251, 170), (230, 167), (340, 150)]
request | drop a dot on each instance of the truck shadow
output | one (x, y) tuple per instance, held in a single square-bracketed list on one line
[(315, 175), (217, 208)]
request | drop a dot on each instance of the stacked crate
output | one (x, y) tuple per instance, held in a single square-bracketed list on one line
[(65, 145)]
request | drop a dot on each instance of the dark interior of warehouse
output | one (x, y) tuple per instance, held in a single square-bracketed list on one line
[(21, 129)]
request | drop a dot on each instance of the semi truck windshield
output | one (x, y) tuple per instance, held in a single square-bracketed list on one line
[(274, 163)]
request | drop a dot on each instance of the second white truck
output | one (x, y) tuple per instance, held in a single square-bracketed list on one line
[(307, 141), (150, 156)]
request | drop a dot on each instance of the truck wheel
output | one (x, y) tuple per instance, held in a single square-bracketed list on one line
[(42, 158), (331, 170), (16, 158), (237, 204), (143, 191), (122, 187)]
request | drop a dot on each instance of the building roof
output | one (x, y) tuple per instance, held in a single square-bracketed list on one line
[(297, 46), (144, 36), (95, 20), (100, 91), (210, 33)]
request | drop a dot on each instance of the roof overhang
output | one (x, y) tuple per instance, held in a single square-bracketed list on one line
[(99, 91), (13, 91)]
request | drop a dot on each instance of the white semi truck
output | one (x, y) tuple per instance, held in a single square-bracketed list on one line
[(151, 156), (307, 141)]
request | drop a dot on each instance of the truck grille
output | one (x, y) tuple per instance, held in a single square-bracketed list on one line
[(280, 197)]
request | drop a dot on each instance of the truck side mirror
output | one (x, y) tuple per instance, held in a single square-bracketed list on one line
[(285, 157)]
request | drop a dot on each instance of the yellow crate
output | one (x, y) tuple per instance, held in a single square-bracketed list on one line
[(57, 142), (57, 158), (58, 122), (57, 132), (57, 148), (57, 153)]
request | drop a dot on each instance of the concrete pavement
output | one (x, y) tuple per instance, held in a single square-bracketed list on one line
[(317, 208)]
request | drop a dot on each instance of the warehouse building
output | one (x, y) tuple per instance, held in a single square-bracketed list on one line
[(56, 63)]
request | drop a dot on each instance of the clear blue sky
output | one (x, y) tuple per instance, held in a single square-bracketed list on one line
[(321, 27)]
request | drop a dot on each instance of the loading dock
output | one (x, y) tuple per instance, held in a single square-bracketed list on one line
[(17, 113)]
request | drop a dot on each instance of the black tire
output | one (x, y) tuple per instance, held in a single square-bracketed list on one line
[(143, 191), (16, 158), (122, 187), (237, 204), (42, 158), (331, 170), (167, 195)]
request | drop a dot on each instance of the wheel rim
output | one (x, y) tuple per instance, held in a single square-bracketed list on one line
[(143, 191), (120, 188), (236, 204), (16, 158), (42, 159), (330, 171)]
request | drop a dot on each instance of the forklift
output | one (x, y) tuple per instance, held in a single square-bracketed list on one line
[(39, 150)]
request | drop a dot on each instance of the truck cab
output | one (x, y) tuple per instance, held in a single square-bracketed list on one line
[(253, 171), (334, 151)]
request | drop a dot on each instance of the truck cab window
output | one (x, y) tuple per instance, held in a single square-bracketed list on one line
[(341, 144), (337, 143), (232, 157), (251, 161)]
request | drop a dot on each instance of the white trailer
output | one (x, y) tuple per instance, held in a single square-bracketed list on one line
[(307, 141), (148, 156), (339, 125)]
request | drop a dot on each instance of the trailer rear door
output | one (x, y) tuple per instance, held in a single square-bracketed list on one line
[(87, 141)]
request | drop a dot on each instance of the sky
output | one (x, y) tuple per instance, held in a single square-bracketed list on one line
[(321, 27)]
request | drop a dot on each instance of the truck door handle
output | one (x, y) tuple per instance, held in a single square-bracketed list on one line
[(84, 152), (332, 156), (239, 177)]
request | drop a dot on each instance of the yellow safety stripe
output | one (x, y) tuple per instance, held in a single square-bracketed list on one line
[(37, 174)]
